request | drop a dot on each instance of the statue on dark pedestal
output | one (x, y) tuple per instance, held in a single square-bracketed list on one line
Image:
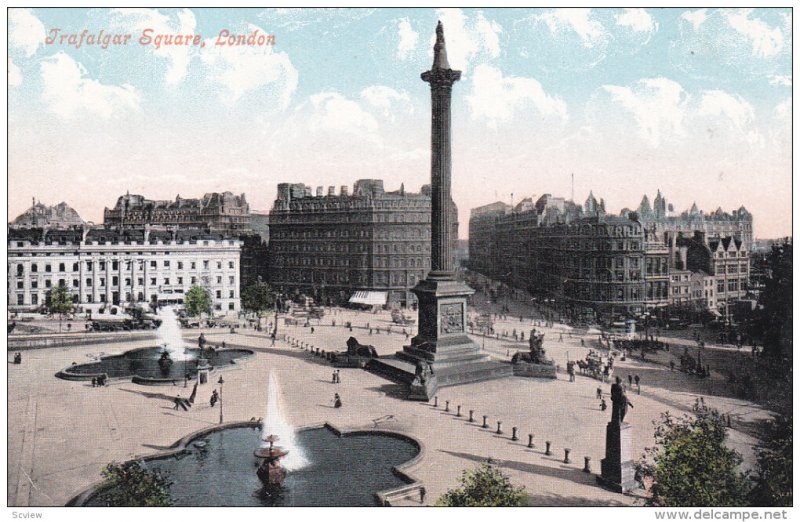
[(619, 402)]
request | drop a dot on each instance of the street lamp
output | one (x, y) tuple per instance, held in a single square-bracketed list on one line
[(220, 382)]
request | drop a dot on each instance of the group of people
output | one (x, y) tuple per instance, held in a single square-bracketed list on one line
[(335, 378), (99, 381)]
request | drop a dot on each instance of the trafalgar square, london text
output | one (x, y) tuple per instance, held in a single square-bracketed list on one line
[(104, 40)]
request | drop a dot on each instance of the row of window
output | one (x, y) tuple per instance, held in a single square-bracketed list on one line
[(34, 283), (115, 299), (101, 265)]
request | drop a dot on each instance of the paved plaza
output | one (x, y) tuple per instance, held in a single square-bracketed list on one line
[(61, 433)]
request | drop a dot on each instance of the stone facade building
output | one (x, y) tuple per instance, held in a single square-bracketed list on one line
[(104, 267), (593, 265), (718, 224), (59, 216), (220, 212), (343, 247)]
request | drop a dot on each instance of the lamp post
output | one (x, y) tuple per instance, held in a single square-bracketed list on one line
[(220, 382)]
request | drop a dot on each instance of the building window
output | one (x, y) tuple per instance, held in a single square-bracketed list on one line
[(194, 265), (153, 281), (21, 285), (75, 267), (180, 280), (230, 306), (166, 263), (62, 267), (88, 281), (88, 298), (166, 280), (34, 283), (230, 294), (219, 294), (47, 283), (62, 283), (140, 281), (114, 281), (102, 265), (127, 283), (219, 265), (152, 264), (20, 299), (34, 268), (48, 268), (115, 265), (194, 280), (231, 280), (75, 283), (19, 270), (218, 307), (219, 280), (230, 264), (180, 265), (205, 265), (88, 266), (720, 286)]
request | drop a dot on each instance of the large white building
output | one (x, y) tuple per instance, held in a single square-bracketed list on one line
[(102, 267)]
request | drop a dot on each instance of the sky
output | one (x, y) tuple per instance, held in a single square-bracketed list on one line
[(694, 102)]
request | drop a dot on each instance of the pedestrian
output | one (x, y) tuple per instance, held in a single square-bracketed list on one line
[(561, 338), (338, 378), (312, 329), (630, 380), (337, 401), (599, 392), (333, 377), (177, 401), (603, 405), (638, 386), (672, 366), (582, 343), (214, 398), (94, 382)]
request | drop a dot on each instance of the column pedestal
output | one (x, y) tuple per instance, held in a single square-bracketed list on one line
[(617, 469)]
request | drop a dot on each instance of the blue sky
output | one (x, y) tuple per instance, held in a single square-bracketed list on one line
[(696, 102)]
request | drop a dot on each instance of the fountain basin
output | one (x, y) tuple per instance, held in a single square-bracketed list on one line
[(358, 468), (141, 365)]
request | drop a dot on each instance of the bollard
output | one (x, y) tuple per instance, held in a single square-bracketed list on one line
[(514, 433), (470, 416), (446, 405), (530, 440), (586, 467), (566, 456), (484, 422), (458, 411), (499, 431), (547, 448), (436, 401), (729, 420)]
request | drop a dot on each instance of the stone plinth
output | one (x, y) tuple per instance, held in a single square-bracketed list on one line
[(536, 371), (617, 469)]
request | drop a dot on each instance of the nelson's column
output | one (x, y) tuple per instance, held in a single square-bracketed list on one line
[(441, 354)]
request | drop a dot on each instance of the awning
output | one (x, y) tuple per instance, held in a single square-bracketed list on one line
[(369, 298)]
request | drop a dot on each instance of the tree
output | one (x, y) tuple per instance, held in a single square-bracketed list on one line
[(774, 320), (691, 466), (774, 471), (483, 486), (257, 297), (59, 302), (197, 301), (131, 485)]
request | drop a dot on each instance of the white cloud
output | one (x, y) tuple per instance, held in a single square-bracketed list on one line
[(240, 69), (766, 41), (496, 98), (14, 74), (591, 32), (777, 79), (67, 93), (720, 103), (696, 18), (467, 38), (658, 105), (178, 56), (25, 31), (408, 39), (638, 20), (783, 111), (335, 112), (386, 99)]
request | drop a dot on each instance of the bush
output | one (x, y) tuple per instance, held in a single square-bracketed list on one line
[(130, 485), (483, 486), (691, 466)]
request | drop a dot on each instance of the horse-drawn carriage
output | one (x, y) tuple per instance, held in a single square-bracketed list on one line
[(595, 366)]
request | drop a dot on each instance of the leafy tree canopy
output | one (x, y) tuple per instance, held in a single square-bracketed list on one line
[(484, 486), (131, 485), (197, 301), (691, 466), (257, 297)]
